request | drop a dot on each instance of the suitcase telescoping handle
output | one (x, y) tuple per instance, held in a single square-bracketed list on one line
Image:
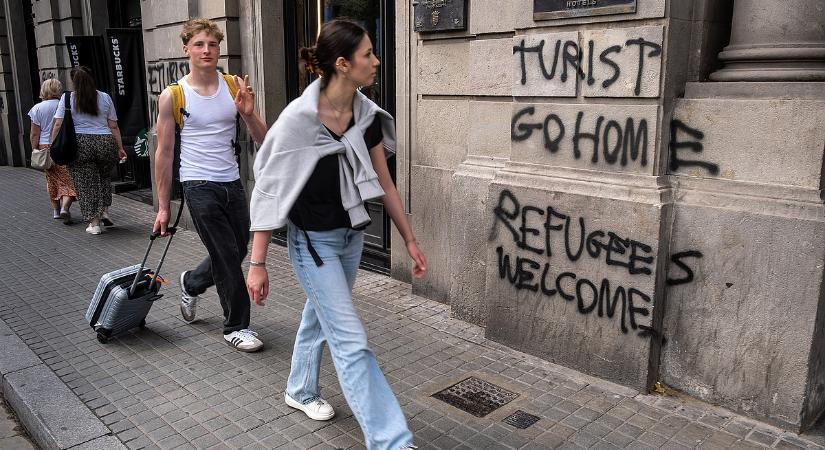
[(155, 234)]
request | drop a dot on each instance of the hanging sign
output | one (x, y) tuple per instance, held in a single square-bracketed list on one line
[(559, 9), (125, 58), (90, 51)]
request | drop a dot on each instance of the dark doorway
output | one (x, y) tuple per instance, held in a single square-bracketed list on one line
[(32, 52), (303, 19), (124, 39)]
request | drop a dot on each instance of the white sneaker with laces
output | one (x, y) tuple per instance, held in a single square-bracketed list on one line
[(94, 229), (244, 340), (318, 409), (188, 303)]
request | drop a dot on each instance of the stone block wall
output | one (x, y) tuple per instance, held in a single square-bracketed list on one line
[(601, 220), (543, 139), (744, 315), (54, 20)]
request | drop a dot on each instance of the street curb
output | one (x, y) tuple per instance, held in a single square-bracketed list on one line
[(52, 414)]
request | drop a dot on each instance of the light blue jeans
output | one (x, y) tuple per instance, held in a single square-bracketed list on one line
[(329, 316)]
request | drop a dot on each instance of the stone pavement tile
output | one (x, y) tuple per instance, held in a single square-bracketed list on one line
[(172, 441), (719, 439), (274, 441), (16, 443), (692, 434), (653, 439), (785, 445), (739, 428), (670, 425), (618, 439), (761, 438), (344, 441), (673, 445), (596, 429), (742, 445), (583, 439), (603, 445)]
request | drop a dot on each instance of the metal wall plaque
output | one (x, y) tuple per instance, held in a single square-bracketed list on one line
[(558, 9), (440, 15)]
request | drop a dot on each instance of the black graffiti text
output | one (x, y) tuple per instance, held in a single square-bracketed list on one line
[(677, 259), (536, 229), (567, 55), (615, 141), (695, 145), (625, 304)]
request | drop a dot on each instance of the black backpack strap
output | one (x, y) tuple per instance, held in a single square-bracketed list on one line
[(235, 144)]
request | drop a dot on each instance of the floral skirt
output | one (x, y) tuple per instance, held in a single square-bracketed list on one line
[(58, 181)]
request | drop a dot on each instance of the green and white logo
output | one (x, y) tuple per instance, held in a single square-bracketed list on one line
[(141, 145)]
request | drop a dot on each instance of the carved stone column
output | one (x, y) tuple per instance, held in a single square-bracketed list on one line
[(775, 41)]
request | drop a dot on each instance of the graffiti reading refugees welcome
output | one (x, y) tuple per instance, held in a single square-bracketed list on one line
[(534, 230)]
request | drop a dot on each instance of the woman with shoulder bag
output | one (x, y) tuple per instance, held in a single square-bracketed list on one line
[(59, 183), (98, 147), (323, 158)]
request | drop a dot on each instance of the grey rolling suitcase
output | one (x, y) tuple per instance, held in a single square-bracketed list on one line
[(123, 297)]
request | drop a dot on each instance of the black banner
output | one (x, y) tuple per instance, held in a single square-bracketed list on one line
[(90, 51), (125, 58)]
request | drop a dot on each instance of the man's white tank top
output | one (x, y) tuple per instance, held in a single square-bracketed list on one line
[(206, 151)]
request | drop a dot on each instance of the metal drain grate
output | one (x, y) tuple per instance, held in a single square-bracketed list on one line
[(521, 419), (476, 396)]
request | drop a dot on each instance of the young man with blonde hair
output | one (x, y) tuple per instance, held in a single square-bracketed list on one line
[(210, 178)]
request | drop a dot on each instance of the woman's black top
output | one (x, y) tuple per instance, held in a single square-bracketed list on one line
[(319, 207)]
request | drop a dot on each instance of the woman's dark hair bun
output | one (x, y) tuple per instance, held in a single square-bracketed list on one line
[(338, 38), (305, 52)]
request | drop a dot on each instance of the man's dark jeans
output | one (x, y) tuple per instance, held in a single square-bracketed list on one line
[(221, 217)]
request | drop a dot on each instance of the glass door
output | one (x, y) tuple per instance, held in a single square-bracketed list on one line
[(303, 20)]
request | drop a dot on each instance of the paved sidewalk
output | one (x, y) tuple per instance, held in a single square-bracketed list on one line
[(175, 385), (12, 435)]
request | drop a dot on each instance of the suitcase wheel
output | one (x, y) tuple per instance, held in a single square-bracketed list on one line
[(142, 324), (103, 335)]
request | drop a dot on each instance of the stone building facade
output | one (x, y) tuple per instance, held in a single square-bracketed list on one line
[(635, 195)]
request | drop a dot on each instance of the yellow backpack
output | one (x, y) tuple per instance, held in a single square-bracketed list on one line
[(179, 100)]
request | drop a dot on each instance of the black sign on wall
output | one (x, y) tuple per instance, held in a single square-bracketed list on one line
[(125, 58), (558, 9), (440, 15), (90, 51)]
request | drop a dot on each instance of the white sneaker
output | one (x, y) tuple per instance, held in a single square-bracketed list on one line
[(188, 303), (244, 340), (315, 410), (93, 229)]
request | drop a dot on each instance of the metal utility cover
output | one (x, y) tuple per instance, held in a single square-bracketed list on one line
[(521, 419), (476, 396)]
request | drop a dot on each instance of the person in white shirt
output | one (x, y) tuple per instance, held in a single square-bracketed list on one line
[(210, 178), (59, 183), (99, 147)]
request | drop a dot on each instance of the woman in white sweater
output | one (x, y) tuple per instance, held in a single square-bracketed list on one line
[(318, 164)]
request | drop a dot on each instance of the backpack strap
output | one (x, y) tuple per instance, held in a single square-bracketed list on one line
[(178, 104), (230, 81), (233, 91)]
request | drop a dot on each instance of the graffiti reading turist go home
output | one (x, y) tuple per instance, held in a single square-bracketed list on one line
[(534, 230)]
